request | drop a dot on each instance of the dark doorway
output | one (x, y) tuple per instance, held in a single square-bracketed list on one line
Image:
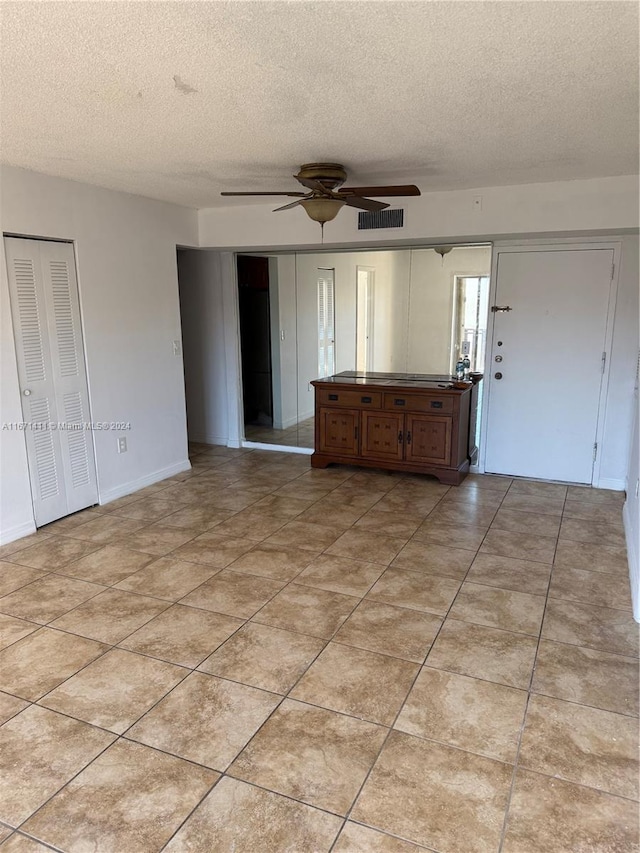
[(255, 339)]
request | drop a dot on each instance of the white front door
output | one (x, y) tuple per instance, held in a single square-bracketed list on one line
[(51, 372), (546, 364)]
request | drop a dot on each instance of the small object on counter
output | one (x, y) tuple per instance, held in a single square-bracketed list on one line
[(466, 367), (460, 369), (462, 383)]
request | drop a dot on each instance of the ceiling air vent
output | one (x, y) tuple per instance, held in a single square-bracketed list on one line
[(388, 218)]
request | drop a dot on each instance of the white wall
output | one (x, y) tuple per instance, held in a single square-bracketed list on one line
[(559, 207), (632, 514), (126, 258)]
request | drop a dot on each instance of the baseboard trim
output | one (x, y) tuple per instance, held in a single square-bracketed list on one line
[(283, 448), (105, 497), (634, 561), (609, 483), (208, 439), (18, 531)]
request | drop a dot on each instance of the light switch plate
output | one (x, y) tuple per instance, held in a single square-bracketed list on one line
[(466, 347)]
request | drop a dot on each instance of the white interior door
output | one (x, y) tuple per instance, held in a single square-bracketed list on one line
[(51, 372), (326, 324), (547, 362)]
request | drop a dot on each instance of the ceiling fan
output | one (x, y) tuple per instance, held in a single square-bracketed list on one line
[(325, 197)]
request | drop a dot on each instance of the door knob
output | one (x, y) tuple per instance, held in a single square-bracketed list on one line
[(26, 392), (498, 376), (498, 358)]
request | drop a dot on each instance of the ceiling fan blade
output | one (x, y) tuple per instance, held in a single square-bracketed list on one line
[(288, 206), (287, 194), (406, 189), (365, 203), (309, 182)]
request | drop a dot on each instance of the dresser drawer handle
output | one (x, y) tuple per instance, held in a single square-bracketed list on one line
[(365, 399), (333, 396), (436, 404), (399, 402)]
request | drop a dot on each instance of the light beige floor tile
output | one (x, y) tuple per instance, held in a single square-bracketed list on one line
[(395, 631), (396, 524), (522, 546), (272, 561), (38, 663), (357, 682), (533, 488), (12, 629), (581, 744), (118, 503), (473, 514), (589, 677), (398, 502), (333, 512), (589, 587), (611, 559), (594, 512), (363, 545), (182, 635), (104, 529), (131, 798), (250, 524), (591, 532), (53, 553), (551, 816), (466, 500), (209, 549), (10, 706), (239, 817), (499, 608), (355, 838), (312, 755), (196, 518), (46, 599), (340, 574), (22, 543), (156, 540), (148, 509), (205, 719), (417, 787), (110, 616), (305, 489), (418, 556), (282, 507), (39, 752), (231, 499), (233, 594), (307, 610), (108, 565), (19, 843), (530, 503), (264, 657), (491, 482), (90, 695), (475, 715), (509, 573), (599, 496), (167, 578), (480, 652), (300, 534), (595, 627), (518, 521), (13, 576), (417, 591), (451, 535)]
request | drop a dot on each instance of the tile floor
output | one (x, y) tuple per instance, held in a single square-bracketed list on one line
[(299, 435), (256, 657)]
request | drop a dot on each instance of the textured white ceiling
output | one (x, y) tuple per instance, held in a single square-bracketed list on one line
[(181, 100)]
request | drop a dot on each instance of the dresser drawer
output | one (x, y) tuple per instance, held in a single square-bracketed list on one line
[(418, 403), (351, 399)]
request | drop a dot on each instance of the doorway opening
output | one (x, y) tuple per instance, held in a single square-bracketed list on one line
[(254, 312)]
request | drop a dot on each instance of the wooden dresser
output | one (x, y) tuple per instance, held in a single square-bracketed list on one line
[(402, 422)]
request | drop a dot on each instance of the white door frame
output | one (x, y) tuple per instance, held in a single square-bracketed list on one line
[(551, 245)]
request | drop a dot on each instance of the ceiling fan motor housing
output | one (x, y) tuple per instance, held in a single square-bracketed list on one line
[(330, 175)]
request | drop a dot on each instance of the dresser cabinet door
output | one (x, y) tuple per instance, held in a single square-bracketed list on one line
[(382, 435), (428, 439), (339, 431)]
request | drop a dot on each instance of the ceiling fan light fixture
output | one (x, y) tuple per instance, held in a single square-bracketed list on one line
[(322, 209), (442, 250)]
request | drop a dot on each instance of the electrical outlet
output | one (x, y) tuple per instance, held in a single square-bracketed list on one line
[(122, 444), (466, 347)]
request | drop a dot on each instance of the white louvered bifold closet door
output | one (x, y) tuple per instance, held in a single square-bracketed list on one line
[(326, 324), (51, 371)]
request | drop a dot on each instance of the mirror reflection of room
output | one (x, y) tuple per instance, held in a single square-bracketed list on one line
[(408, 311)]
